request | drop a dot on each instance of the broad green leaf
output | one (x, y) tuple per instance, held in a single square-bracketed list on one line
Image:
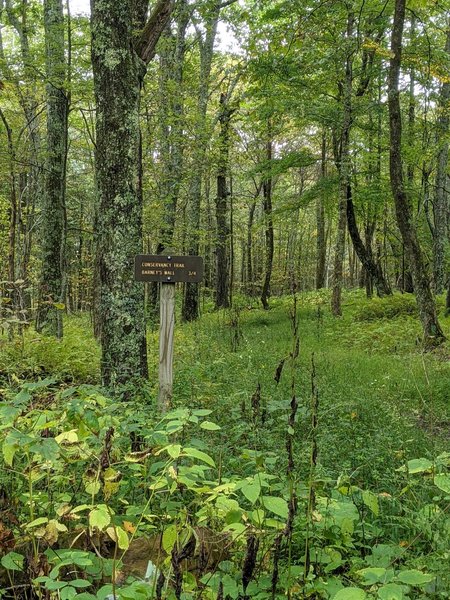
[(391, 591), (414, 577), (276, 505), (12, 561), (9, 451), (371, 501), (80, 583), (209, 426), (55, 585), (169, 538), (47, 448), (201, 412), (70, 437), (251, 490), (37, 522), (173, 450), (417, 465), (194, 453), (442, 481), (104, 592), (372, 575), (67, 593), (99, 517), (350, 593), (122, 538)]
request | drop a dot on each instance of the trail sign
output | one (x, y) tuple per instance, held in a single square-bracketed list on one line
[(167, 270)]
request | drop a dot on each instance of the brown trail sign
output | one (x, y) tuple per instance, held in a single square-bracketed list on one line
[(167, 270)]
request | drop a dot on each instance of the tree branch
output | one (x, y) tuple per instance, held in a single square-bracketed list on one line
[(156, 24), (226, 3)]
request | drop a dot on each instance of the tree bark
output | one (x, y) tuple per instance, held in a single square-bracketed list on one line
[(190, 309), (432, 331), (441, 206), (52, 286), (268, 219), (223, 232), (321, 244), (118, 74)]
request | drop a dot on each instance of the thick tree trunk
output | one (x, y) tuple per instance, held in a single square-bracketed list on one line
[(118, 73), (441, 206), (52, 284), (427, 309), (268, 219), (223, 233), (118, 61)]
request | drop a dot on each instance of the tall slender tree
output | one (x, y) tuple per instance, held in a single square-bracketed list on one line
[(52, 287), (427, 308)]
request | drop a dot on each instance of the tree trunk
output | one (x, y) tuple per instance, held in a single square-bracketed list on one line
[(190, 310), (372, 267), (320, 224), (433, 334), (118, 61), (441, 206), (52, 284), (222, 267), (268, 219)]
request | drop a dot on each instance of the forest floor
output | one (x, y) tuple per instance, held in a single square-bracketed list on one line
[(372, 430)]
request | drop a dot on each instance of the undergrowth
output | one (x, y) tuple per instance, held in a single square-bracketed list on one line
[(322, 475)]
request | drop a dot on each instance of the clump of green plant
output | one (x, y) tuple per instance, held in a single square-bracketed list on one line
[(389, 307)]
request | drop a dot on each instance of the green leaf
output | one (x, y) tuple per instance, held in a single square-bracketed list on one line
[(350, 593), (80, 583), (13, 561), (371, 501), (55, 585), (169, 538), (372, 575), (9, 451), (391, 591), (201, 412), (443, 482), (251, 490), (173, 450), (417, 465), (47, 448), (209, 426), (104, 592), (122, 538), (37, 522), (414, 577), (276, 505), (67, 593), (99, 517), (194, 453)]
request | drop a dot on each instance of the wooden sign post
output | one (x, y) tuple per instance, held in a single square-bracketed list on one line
[(167, 270)]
